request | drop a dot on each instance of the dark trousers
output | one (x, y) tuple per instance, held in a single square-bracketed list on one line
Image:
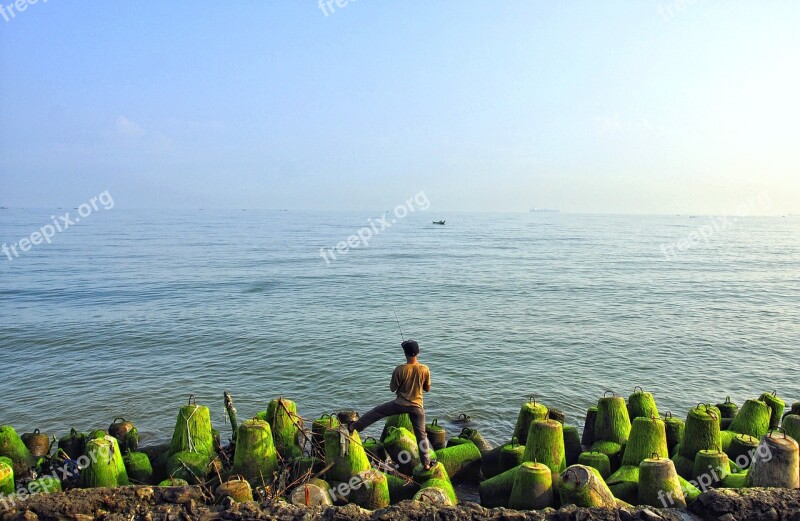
[(417, 415)]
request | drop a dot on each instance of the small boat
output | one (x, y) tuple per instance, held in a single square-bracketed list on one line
[(439, 222), (3, 207)]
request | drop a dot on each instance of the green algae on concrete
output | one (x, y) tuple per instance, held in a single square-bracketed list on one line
[(105, 468), (511, 455), (546, 445), (173, 482), (73, 444), (286, 426), (496, 491), (710, 467), (613, 422), (6, 478), (675, 428), (97, 434), (533, 487), (398, 420), (255, 457), (191, 466), (581, 486), (437, 435), (728, 410), (597, 461), (193, 431), (371, 490), (44, 485), (611, 449), (659, 485), (318, 427), (753, 419), (475, 437), (306, 466), (347, 461), (624, 483), (741, 448), (572, 444), (701, 433), (776, 406), (138, 467), (648, 438), (12, 447), (400, 489), (490, 461), (436, 471), (641, 404), (588, 435), (529, 412), (375, 450), (462, 462), (458, 440), (737, 480), (791, 426)]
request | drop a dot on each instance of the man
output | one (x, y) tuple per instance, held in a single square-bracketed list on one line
[(409, 380)]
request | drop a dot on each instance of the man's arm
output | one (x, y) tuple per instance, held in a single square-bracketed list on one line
[(394, 385), (426, 385)]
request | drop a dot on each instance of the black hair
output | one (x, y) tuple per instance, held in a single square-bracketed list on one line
[(410, 347)]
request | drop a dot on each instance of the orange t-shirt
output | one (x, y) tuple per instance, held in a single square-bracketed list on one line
[(408, 382)]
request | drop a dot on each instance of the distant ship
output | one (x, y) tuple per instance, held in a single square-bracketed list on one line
[(544, 210)]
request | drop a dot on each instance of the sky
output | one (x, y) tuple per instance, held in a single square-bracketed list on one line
[(646, 106)]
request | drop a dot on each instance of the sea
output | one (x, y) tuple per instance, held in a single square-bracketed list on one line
[(129, 312)]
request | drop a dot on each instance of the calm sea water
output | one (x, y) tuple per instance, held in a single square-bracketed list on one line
[(129, 312)]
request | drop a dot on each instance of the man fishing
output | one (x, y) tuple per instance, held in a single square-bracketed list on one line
[(409, 381)]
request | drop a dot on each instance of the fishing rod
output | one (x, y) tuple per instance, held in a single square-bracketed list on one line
[(398, 324)]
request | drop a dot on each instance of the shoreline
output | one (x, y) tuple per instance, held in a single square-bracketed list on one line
[(190, 502)]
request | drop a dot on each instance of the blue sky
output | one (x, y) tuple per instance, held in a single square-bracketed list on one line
[(586, 106)]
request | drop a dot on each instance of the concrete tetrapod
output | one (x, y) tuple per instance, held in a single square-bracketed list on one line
[(582, 487), (238, 489), (776, 406), (753, 419), (701, 433), (572, 444), (106, 468), (613, 422), (659, 485), (529, 412), (347, 456), (588, 436), (192, 431), (546, 445), (532, 488), (462, 462), (315, 493), (641, 404), (675, 428), (12, 447), (776, 463), (496, 491), (255, 457), (648, 437), (138, 467), (286, 426), (596, 460)]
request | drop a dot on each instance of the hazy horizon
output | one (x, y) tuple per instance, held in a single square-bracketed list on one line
[(613, 108)]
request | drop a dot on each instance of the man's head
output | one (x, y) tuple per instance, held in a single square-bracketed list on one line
[(410, 348)]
